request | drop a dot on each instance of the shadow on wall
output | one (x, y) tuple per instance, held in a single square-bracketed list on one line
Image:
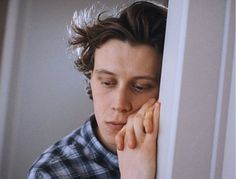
[(3, 12)]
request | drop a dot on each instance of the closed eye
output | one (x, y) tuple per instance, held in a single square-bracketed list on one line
[(108, 83), (138, 88), (141, 88)]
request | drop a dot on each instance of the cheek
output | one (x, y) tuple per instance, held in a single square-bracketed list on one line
[(142, 99), (94, 88), (151, 94), (97, 92), (100, 99)]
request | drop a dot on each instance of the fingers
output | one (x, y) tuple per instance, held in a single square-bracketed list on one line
[(119, 139), (153, 137), (130, 136), (145, 114), (138, 128), (148, 120), (126, 136), (145, 121), (156, 118), (144, 108)]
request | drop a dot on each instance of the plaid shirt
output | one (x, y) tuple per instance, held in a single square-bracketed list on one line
[(78, 155)]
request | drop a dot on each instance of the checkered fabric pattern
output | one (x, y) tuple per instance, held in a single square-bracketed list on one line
[(78, 155)]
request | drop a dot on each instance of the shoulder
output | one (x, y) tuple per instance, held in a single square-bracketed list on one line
[(59, 159)]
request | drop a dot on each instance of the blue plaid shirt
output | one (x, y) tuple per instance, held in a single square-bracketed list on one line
[(78, 155)]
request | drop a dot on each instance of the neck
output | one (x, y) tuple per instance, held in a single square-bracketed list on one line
[(110, 146)]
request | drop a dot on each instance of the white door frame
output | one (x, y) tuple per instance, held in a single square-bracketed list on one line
[(195, 88)]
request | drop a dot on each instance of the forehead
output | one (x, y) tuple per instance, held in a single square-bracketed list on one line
[(121, 57)]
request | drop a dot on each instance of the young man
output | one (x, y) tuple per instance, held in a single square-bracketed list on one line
[(121, 56)]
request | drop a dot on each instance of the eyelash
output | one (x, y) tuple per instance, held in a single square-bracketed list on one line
[(135, 87), (107, 84), (141, 88)]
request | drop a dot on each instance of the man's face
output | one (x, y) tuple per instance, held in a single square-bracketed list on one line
[(123, 79)]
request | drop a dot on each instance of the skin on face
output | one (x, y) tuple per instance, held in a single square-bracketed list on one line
[(123, 79)]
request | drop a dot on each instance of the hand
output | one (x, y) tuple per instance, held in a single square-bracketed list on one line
[(136, 143), (142, 122)]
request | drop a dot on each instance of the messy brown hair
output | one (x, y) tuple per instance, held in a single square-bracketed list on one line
[(141, 23)]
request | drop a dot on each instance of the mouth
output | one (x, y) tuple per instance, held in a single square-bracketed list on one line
[(116, 126)]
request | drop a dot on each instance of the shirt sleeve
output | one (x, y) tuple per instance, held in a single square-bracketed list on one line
[(38, 174)]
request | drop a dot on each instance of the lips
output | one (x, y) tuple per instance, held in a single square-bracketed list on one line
[(115, 125)]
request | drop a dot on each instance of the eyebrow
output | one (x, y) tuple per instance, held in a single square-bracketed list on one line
[(103, 71)]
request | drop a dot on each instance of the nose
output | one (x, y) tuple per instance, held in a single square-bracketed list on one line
[(122, 100)]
